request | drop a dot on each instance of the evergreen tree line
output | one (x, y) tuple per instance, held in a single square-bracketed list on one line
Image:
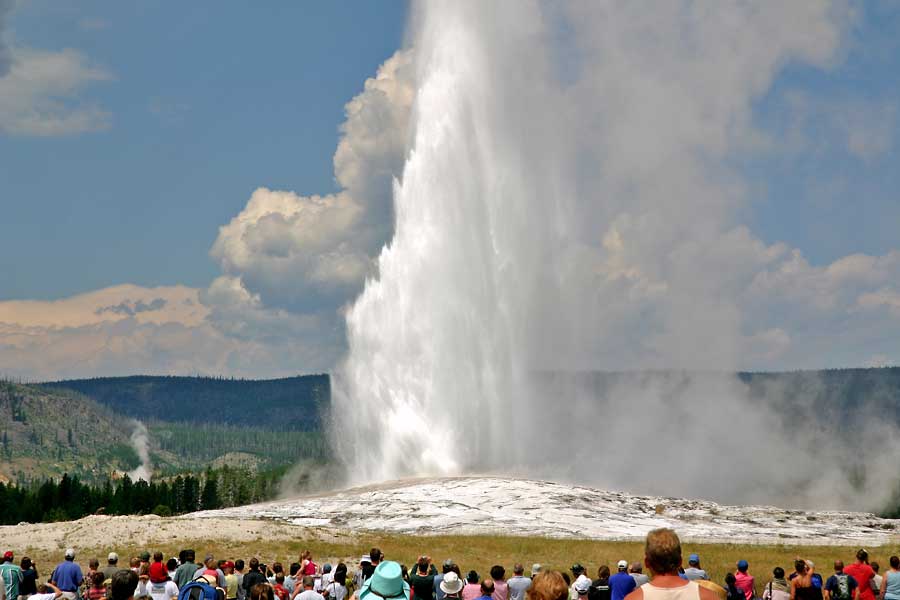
[(68, 498)]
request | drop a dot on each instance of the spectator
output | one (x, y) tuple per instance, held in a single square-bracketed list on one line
[(535, 569), (802, 586), (46, 591), (518, 584), (447, 567), (451, 585), (307, 566), (662, 555), (778, 588), (744, 580), (97, 588), (548, 585), (600, 586), (337, 588), (11, 574), (254, 577), (112, 566), (876, 580), (67, 576), (732, 592), (158, 571), (123, 584), (171, 567), (890, 585), (327, 576), (487, 589), (840, 586), (582, 586), (636, 570), (472, 589), (693, 571), (364, 572), (386, 583), (621, 583), (422, 580), (184, 574), (28, 587), (281, 592), (262, 591), (863, 574), (578, 573), (501, 589), (231, 580), (239, 573)]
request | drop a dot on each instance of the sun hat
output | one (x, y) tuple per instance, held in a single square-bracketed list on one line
[(451, 584), (386, 582), (582, 585), (623, 564), (694, 558)]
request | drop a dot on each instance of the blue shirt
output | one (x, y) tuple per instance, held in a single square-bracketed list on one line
[(620, 585), (67, 576)]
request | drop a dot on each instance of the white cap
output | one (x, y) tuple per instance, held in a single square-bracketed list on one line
[(70, 553), (623, 564), (113, 557), (365, 558)]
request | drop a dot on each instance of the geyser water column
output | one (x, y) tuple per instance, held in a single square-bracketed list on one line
[(568, 206), (436, 341)]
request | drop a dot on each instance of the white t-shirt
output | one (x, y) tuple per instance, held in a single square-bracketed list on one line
[(336, 591), (158, 591), (49, 596), (309, 595)]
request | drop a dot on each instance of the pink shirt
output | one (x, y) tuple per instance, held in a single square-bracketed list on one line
[(471, 591), (501, 591), (744, 582)]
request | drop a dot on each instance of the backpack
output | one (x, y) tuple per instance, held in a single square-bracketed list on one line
[(843, 587), (198, 590)]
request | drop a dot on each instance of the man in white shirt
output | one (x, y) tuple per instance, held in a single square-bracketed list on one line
[(308, 592)]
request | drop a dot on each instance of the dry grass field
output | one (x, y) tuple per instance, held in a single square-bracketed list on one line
[(276, 542)]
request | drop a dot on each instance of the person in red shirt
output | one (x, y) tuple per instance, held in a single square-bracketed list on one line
[(863, 574), (158, 571), (281, 592)]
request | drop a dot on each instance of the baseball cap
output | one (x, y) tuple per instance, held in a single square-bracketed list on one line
[(742, 564), (8, 555), (622, 564), (112, 556), (577, 568), (365, 558), (535, 569), (70, 553), (694, 558), (448, 562)]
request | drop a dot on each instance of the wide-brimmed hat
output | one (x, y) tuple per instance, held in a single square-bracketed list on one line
[(386, 582), (451, 583)]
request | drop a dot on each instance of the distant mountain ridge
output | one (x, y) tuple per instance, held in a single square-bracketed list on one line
[(288, 404)]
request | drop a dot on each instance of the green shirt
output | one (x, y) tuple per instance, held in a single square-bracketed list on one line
[(12, 576)]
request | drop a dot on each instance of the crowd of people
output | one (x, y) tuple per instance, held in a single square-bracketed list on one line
[(152, 577)]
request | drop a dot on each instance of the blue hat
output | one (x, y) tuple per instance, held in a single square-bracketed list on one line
[(386, 583), (742, 565), (694, 558), (326, 568)]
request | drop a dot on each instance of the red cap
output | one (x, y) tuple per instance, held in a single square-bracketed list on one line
[(228, 564), (8, 555)]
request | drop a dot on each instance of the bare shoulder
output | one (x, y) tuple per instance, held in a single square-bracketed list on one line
[(708, 594), (637, 594)]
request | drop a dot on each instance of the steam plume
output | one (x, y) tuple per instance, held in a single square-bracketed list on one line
[(140, 440), (568, 206)]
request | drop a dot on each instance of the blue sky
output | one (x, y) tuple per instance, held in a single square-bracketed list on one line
[(206, 102), (172, 156)]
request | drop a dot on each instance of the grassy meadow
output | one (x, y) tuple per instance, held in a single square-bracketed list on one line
[(481, 552)]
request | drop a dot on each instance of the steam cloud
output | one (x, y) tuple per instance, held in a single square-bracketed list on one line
[(140, 440), (562, 215)]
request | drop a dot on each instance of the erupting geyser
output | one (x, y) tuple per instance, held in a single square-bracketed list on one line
[(568, 206)]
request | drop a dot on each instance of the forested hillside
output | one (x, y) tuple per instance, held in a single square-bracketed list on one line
[(290, 404), (45, 434)]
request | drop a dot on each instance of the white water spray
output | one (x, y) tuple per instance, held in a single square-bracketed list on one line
[(568, 206)]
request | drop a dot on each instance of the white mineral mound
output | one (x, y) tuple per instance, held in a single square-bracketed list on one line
[(486, 505)]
